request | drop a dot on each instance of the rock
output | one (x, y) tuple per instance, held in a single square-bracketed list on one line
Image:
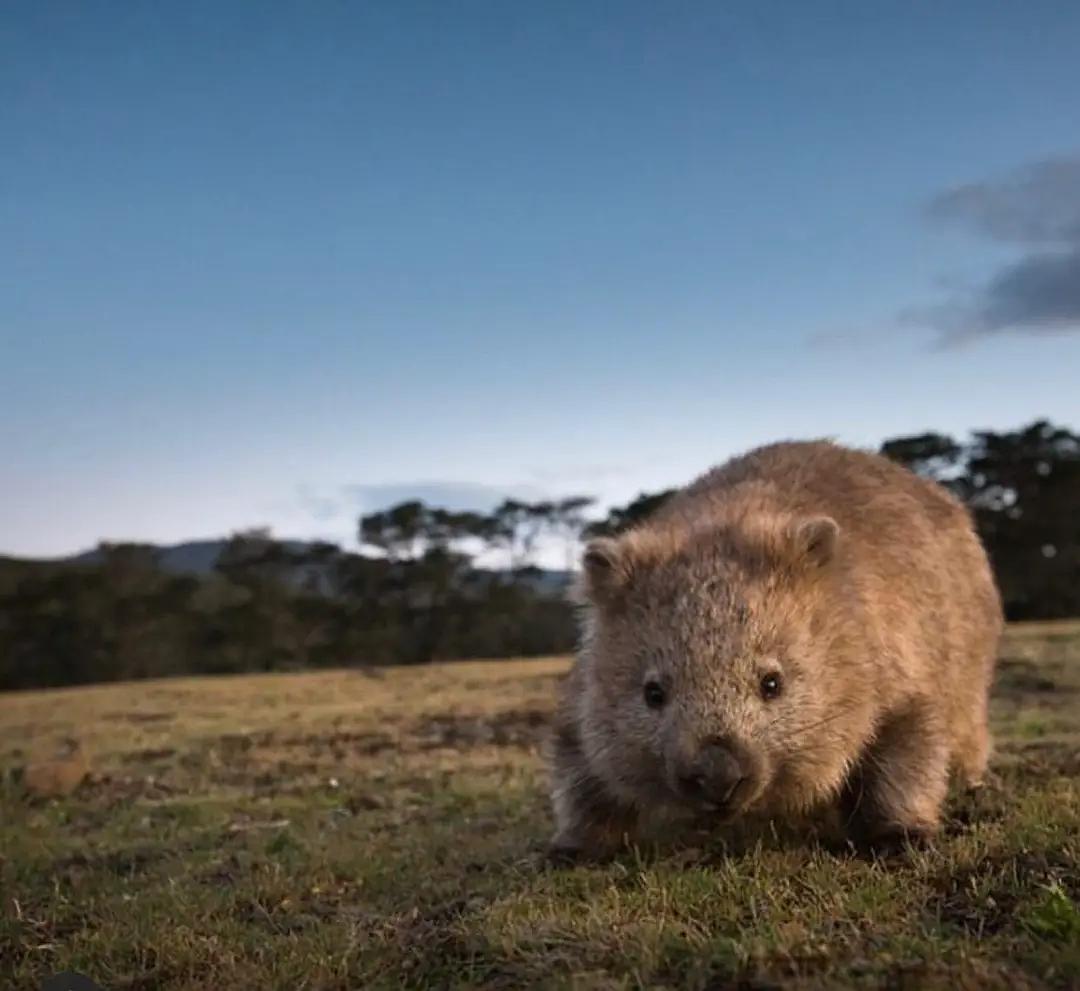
[(58, 777)]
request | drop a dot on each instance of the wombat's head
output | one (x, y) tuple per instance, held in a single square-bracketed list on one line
[(706, 661)]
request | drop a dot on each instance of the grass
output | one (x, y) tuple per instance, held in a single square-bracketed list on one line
[(385, 829)]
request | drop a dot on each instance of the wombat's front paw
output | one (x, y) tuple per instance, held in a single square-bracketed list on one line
[(567, 849), (560, 853), (892, 840)]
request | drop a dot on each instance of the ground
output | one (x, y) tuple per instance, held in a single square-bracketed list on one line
[(384, 828)]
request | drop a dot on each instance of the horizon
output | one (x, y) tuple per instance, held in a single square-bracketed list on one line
[(550, 554), (285, 268)]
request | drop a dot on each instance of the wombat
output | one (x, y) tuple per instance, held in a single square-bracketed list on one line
[(804, 626)]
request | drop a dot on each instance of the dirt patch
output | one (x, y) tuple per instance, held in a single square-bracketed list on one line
[(122, 863), (1041, 760), (525, 728), (372, 674), (743, 984), (956, 904), (115, 789), (341, 744), (231, 744), (148, 756), (436, 936), (141, 717), (1017, 674), (982, 805), (363, 802), (272, 919), (223, 873), (984, 899)]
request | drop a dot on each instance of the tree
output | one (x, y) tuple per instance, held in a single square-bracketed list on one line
[(419, 595), (265, 622), (409, 530), (397, 531), (568, 521), (620, 518), (933, 455), (515, 526), (1022, 487)]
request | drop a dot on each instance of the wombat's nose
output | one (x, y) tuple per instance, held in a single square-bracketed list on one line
[(714, 775)]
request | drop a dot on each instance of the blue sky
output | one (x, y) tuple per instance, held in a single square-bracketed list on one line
[(279, 263)]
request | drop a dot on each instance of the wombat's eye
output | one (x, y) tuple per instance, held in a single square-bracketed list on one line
[(771, 686), (655, 696)]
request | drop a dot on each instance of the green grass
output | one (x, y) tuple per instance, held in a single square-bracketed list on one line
[(350, 830)]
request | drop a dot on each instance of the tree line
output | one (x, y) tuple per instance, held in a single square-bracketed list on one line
[(431, 583)]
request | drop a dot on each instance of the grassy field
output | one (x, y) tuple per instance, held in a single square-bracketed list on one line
[(385, 829)]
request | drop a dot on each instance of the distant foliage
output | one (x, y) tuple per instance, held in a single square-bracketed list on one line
[(417, 595), (272, 606), (1023, 488), (622, 517)]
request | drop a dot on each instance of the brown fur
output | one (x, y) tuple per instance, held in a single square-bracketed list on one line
[(860, 585)]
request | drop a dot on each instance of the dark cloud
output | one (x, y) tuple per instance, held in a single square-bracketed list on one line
[(1039, 293), (1039, 204)]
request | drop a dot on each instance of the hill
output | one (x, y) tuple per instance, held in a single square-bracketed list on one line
[(201, 557)]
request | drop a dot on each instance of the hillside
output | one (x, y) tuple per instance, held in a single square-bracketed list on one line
[(384, 829), (200, 557)]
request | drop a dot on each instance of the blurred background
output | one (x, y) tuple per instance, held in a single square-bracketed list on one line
[(328, 331)]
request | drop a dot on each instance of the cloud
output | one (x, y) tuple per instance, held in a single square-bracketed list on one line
[(1037, 208), (577, 475), (1040, 292), (1038, 204), (318, 507), (450, 495)]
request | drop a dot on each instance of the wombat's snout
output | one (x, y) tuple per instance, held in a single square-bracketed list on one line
[(719, 773)]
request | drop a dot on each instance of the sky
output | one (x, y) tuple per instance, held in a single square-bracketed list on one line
[(281, 263)]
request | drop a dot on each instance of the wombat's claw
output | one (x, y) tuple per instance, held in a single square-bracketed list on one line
[(840, 847), (564, 852), (563, 856), (989, 781), (895, 843)]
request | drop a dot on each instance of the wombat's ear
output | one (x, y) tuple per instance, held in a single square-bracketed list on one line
[(603, 566), (815, 539)]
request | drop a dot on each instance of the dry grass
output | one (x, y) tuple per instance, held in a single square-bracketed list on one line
[(384, 829)]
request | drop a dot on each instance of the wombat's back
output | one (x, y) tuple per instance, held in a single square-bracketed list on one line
[(919, 575), (860, 490)]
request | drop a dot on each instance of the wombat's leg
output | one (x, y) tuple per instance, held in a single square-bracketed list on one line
[(588, 822), (897, 791), (971, 752)]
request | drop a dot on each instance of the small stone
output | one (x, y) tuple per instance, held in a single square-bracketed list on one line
[(59, 777)]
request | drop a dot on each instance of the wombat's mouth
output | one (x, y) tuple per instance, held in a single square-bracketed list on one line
[(710, 814), (734, 805), (724, 811)]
